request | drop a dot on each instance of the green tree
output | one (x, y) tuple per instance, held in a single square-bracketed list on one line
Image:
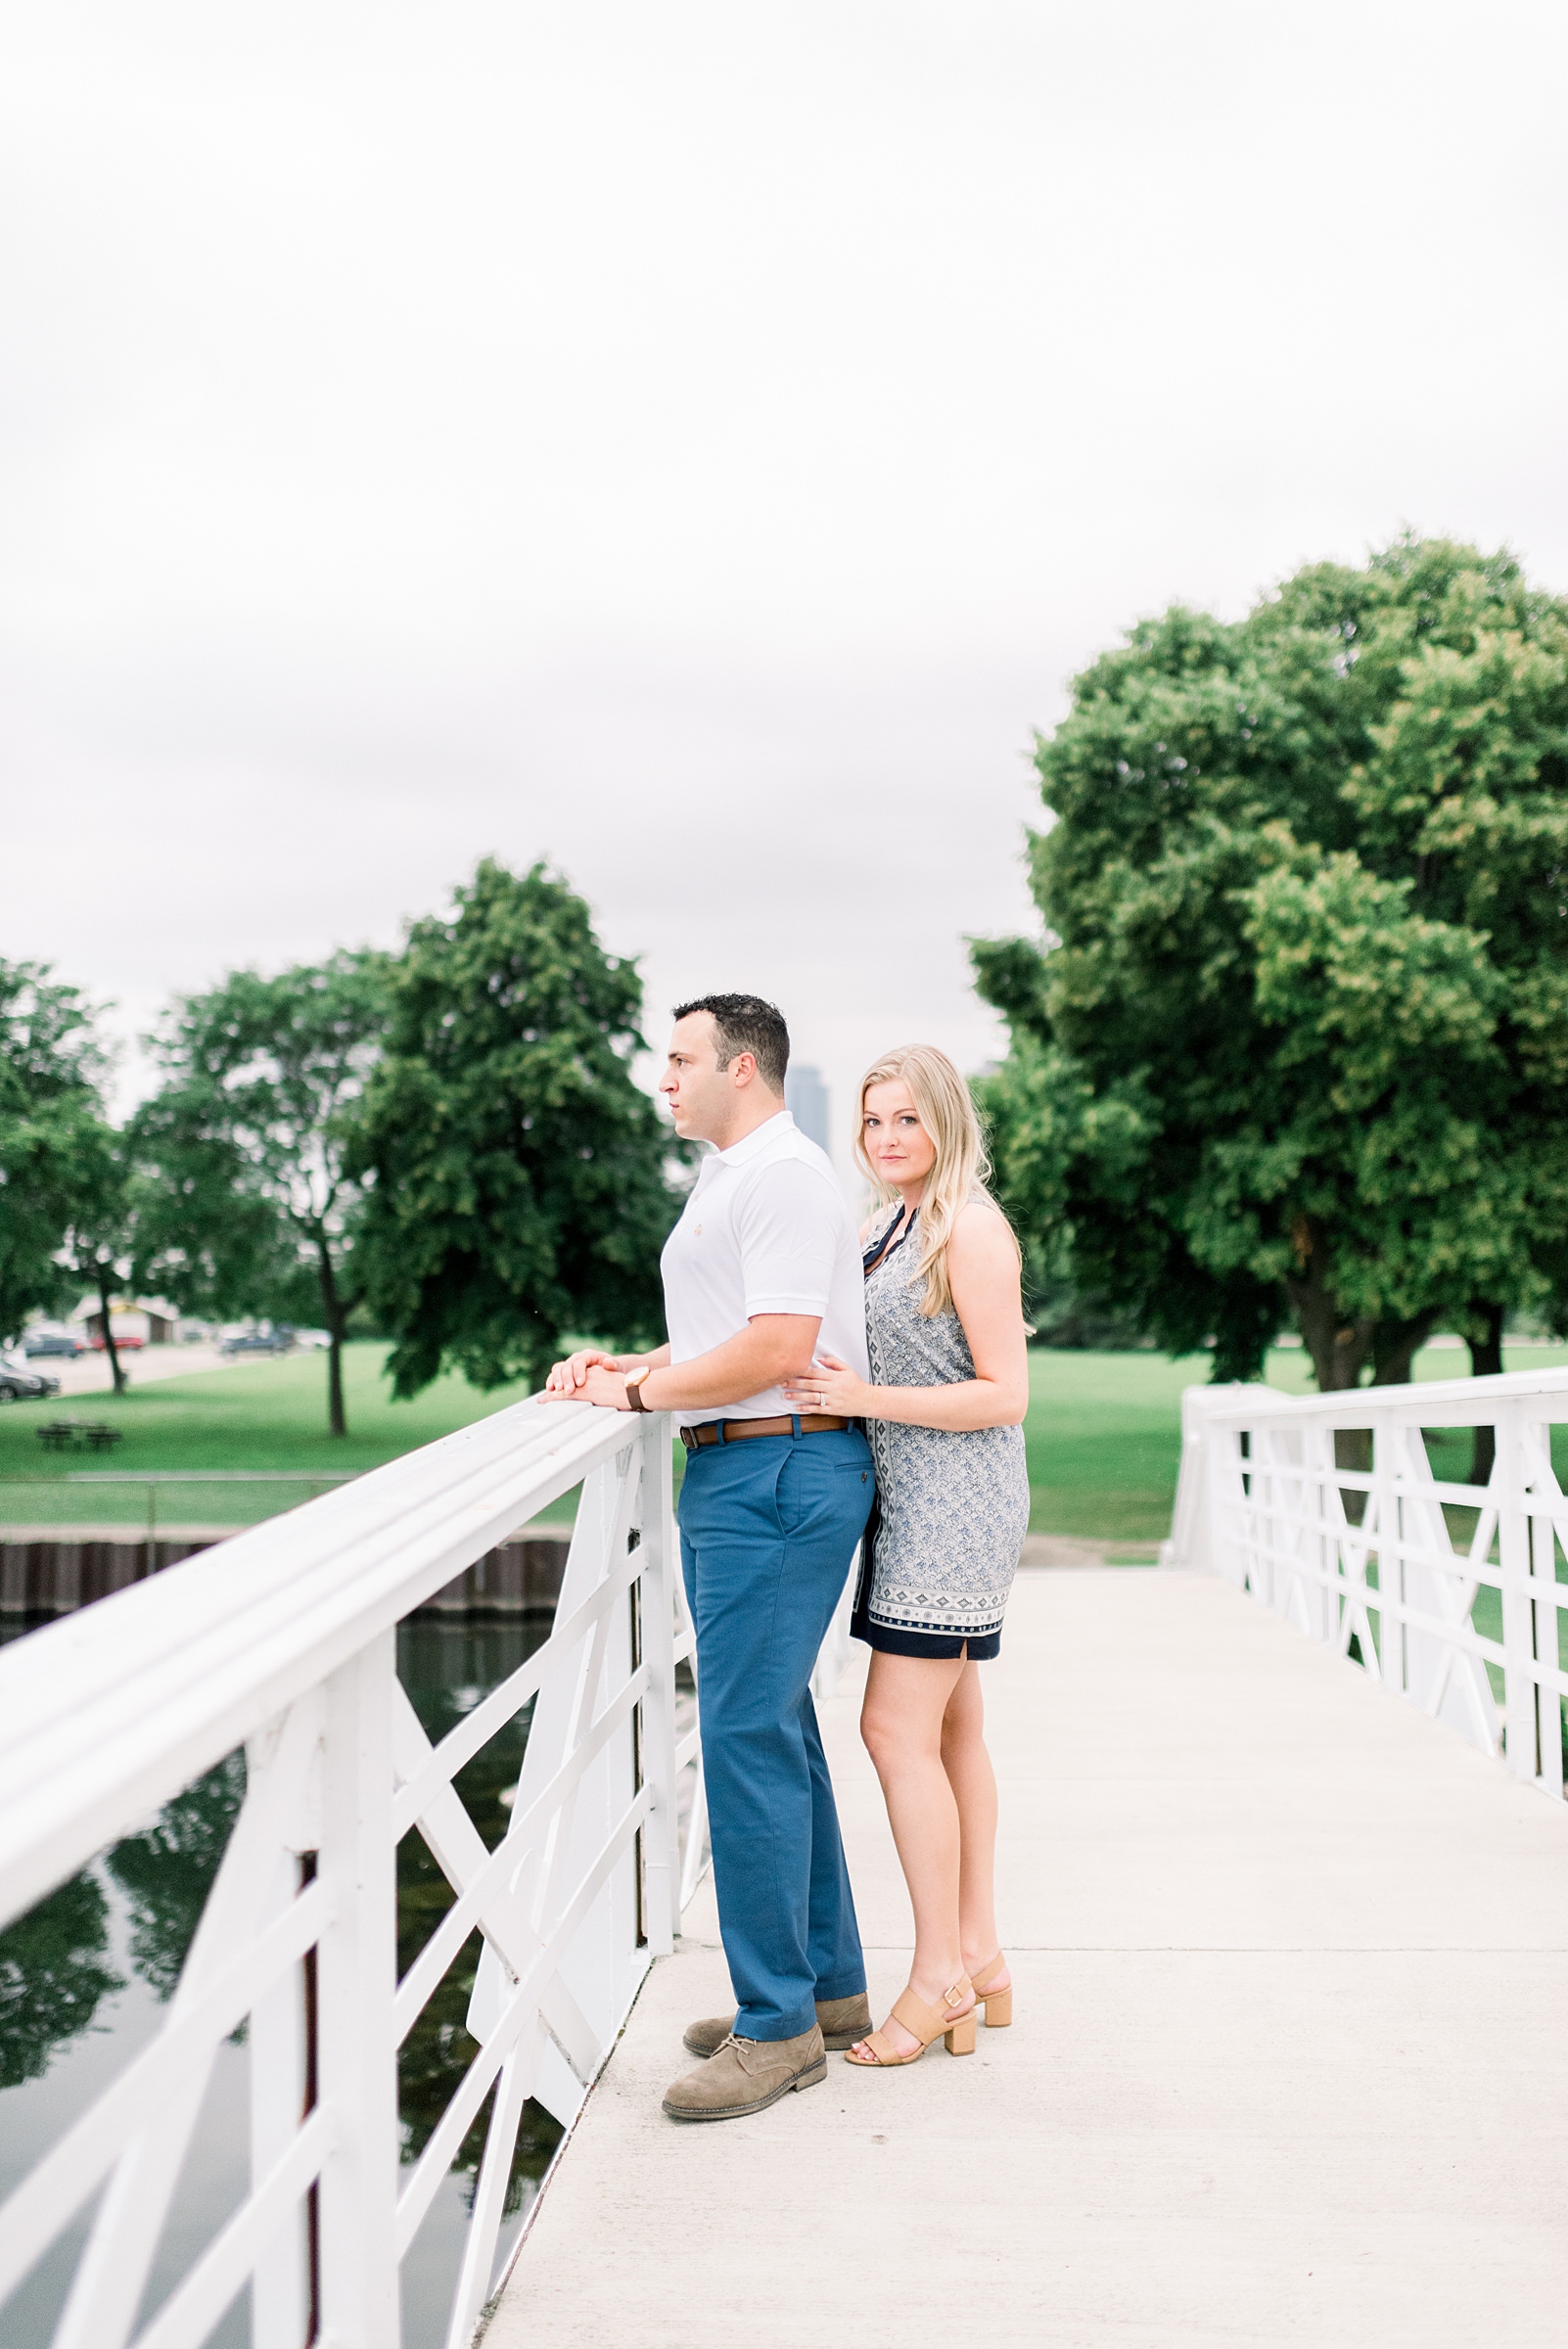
[(1298, 1039), (243, 1146), (100, 1248), (51, 1121), (515, 1171)]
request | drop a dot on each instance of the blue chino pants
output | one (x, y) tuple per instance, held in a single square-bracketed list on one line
[(767, 1529)]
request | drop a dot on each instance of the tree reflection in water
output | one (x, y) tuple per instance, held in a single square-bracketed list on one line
[(166, 1871), (54, 1965), (53, 1971), (447, 1668)]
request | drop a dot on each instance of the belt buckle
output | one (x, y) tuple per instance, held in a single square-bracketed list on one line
[(691, 1439)]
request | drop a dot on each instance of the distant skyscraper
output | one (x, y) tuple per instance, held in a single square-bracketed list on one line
[(805, 1097)]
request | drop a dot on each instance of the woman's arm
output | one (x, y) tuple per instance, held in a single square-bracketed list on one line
[(984, 1277)]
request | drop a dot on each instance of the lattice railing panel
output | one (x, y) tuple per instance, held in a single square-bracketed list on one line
[(1452, 1595), (288, 1639)]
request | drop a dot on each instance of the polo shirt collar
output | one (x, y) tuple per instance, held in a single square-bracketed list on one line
[(755, 1142)]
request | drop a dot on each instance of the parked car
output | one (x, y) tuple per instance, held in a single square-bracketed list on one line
[(45, 1342), (256, 1341), (100, 1344), (19, 1383)]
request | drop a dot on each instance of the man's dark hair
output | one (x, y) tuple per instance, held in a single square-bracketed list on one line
[(746, 1024)]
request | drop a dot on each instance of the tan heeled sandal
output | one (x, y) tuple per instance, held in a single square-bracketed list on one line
[(998, 2003), (924, 2023)]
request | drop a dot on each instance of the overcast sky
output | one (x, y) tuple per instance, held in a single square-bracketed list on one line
[(696, 443)]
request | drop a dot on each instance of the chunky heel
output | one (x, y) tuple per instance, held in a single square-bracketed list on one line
[(998, 2003), (923, 2023)]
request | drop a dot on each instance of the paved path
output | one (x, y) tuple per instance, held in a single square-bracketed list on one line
[(144, 1365), (1291, 2062)]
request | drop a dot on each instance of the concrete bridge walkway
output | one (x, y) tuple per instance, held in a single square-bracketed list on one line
[(1290, 2064)]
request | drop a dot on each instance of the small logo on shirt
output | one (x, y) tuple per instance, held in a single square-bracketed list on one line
[(697, 1231)]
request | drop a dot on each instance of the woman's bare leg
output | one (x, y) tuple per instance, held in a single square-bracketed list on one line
[(906, 1699), (969, 1772)]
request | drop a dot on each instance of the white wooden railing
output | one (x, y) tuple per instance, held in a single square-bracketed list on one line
[(283, 1640), (1426, 1580)]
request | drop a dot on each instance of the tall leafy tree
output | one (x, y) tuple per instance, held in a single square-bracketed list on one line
[(514, 1172), (244, 1145), (51, 1127), (98, 1251), (1297, 1041)]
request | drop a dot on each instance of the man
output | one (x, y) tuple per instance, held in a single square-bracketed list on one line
[(764, 1258)]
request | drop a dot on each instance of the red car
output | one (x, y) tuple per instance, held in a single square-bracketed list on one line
[(122, 1345)]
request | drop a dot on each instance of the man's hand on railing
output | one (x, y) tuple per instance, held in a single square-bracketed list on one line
[(568, 1379)]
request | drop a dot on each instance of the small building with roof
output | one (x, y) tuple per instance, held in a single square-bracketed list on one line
[(147, 1320)]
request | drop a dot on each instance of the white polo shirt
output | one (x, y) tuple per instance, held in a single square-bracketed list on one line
[(765, 1230)]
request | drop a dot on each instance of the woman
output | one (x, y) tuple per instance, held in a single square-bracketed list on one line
[(946, 1331)]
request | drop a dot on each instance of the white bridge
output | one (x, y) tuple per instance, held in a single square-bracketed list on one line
[(1291, 1953)]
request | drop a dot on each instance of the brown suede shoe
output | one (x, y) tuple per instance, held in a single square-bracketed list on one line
[(746, 2075), (841, 2021)]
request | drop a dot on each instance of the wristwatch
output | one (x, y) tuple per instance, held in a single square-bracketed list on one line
[(634, 1379)]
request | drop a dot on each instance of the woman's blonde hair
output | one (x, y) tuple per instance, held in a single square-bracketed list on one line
[(946, 1110)]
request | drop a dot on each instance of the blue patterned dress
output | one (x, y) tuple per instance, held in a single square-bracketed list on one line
[(952, 1506)]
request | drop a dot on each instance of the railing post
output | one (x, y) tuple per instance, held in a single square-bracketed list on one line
[(1547, 1642), (357, 1977), (1383, 1508), (282, 2033), (661, 1836), (1226, 1504), (1318, 1468), (1315, 1550), (1190, 1546), (1518, 1613)]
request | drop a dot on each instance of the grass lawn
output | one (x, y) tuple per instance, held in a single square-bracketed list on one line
[(1103, 1433), (1104, 1442), (262, 1414)]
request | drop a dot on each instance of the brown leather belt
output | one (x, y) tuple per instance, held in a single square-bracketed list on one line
[(707, 1431)]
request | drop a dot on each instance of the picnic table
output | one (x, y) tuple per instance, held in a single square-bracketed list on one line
[(68, 1435)]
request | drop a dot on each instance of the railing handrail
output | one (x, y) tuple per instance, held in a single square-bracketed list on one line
[(108, 1711), (1436, 1402)]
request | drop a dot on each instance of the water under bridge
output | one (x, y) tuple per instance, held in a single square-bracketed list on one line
[(1283, 1864)]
